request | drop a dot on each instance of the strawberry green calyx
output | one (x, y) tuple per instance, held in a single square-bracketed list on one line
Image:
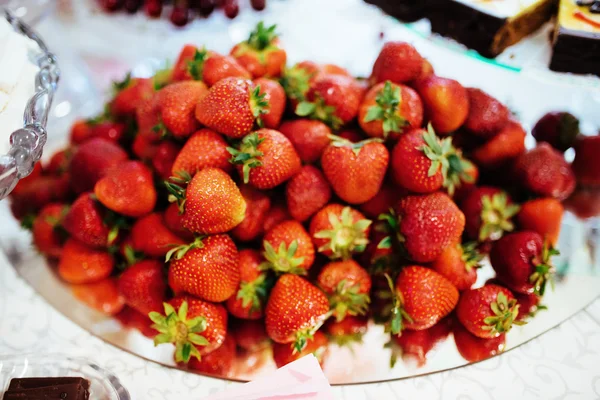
[(132, 256), (117, 86), (304, 335), (253, 293), (445, 156), (248, 155), (162, 77), (296, 82), (195, 66), (258, 104), (505, 315), (496, 214), (27, 221), (175, 327), (544, 270), (391, 226), (115, 223), (178, 252), (398, 314), (262, 37), (471, 256), (284, 260), (320, 111), (347, 340), (345, 236), (175, 187), (337, 141), (386, 110), (347, 300)]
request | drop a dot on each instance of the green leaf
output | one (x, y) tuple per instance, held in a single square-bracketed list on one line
[(305, 109), (197, 339)]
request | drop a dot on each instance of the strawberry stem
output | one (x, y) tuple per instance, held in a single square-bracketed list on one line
[(347, 300), (175, 327), (320, 111), (345, 236), (262, 37), (248, 155), (254, 293), (398, 314), (505, 315), (387, 102), (470, 255), (296, 82), (283, 261), (544, 271), (496, 215), (195, 66), (258, 104), (179, 252), (118, 86)]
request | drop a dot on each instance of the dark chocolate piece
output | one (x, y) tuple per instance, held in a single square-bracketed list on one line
[(486, 33), (576, 51), (69, 391), (31, 383), (404, 10)]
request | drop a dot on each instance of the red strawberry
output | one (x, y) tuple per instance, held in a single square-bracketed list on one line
[(417, 344), (296, 81), (355, 170), (522, 262), (164, 158), (544, 172), (347, 331), (80, 132), (422, 298), (288, 248), (143, 286), (150, 236), (34, 175), (486, 114), (87, 222), (333, 99), (127, 189), (352, 135), (559, 129), (586, 165), (34, 194), (459, 265), (147, 116), (468, 183), (257, 207), (309, 137), (284, 353), (102, 296), (487, 312), (446, 103), (130, 318), (296, 309), (219, 363), (584, 202), (205, 148), (426, 70), (113, 131), (250, 334), (196, 327), (423, 163), (390, 109), (384, 200), (276, 215), (59, 162), (82, 264), (543, 216), (47, 231), (275, 96), (473, 348), (339, 231), (129, 95), (261, 54), (207, 66), (488, 213), (250, 299), (428, 224), (231, 107), (92, 161), (206, 268), (347, 285), (307, 192), (398, 62), (505, 146), (177, 104), (211, 203), (173, 221), (529, 305), (145, 146), (266, 159)]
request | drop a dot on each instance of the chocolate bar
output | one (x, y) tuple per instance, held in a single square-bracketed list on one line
[(577, 38), (67, 388), (404, 10), (489, 27)]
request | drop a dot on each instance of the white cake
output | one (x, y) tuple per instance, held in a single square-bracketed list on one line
[(17, 79)]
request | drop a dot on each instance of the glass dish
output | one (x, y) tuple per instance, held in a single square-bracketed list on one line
[(27, 143), (103, 384)]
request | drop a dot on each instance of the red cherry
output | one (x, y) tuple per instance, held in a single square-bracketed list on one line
[(231, 8), (132, 6), (180, 15), (259, 5), (153, 8), (112, 5), (206, 7)]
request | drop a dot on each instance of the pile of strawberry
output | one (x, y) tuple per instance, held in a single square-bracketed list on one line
[(232, 204)]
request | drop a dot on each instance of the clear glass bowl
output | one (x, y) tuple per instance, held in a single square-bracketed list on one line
[(103, 384), (28, 142)]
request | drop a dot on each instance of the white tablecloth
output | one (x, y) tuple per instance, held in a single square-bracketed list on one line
[(562, 364)]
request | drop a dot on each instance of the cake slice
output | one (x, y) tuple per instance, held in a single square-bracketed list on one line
[(489, 26), (577, 38)]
